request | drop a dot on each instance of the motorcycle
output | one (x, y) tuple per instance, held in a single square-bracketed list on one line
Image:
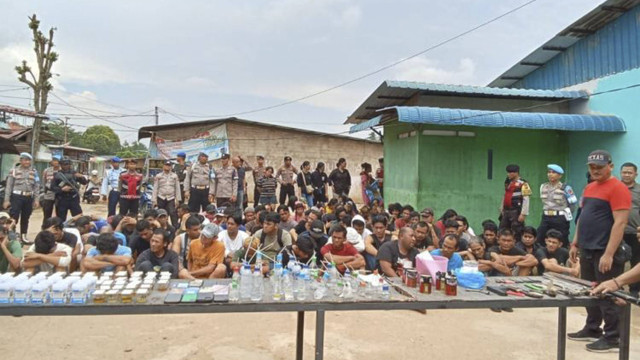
[(145, 198), (91, 195)]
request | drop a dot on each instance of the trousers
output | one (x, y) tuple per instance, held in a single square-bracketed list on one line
[(21, 208)]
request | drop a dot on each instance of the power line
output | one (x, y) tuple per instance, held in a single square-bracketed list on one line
[(97, 101), (88, 113), (379, 70)]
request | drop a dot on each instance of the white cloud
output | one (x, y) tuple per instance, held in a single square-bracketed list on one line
[(423, 69), (342, 99)]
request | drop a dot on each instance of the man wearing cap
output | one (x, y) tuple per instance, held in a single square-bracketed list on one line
[(198, 184), (22, 192), (49, 197), (515, 204), (206, 256), (258, 173), (628, 174), (557, 199), (286, 176), (130, 188), (110, 185), (180, 168), (66, 185), (226, 183), (605, 209), (166, 191)]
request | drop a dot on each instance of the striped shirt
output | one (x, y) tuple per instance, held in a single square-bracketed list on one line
[(268, 186)]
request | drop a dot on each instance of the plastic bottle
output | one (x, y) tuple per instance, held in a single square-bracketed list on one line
[(245, 282), (276, 282), (321, 289), (234, 292), (385, 293), (259, 260), (287, 286), (303, 280), (334, 272), (313, 267), (236, 275), (256, 291)]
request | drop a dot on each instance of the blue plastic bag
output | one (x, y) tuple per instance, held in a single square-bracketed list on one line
[(471, 279)]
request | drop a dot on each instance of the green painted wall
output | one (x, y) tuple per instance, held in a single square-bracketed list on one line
[(452, 172)]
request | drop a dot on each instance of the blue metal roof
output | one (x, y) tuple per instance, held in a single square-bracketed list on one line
[(483, 118), (365, 125), (486, 91)]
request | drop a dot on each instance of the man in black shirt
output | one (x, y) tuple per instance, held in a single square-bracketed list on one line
[(341, 179), (401, 250), (140, 240), (159, 255), (514, 258), (553, 257)]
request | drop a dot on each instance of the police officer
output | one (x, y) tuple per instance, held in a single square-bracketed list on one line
[(110, 185), (66, 186), (557, 199), (22, 192), (198, 184), (515, 204), (181, 170), (49, 197), (166, 192), (226, 184)]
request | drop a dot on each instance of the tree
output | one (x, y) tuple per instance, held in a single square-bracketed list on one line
[(102, 139), (40, 84), (373, 136), (57, 130), (133, 150)]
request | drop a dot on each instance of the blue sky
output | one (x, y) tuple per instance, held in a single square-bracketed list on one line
[(202, 59)]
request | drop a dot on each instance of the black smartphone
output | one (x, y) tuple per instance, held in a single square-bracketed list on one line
[(173, 297), (205, 295)]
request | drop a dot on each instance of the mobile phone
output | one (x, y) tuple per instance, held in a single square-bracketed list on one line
[(180, 285), (190, 295), (221, 293), (195, 283), (173, 297), (205, 295)]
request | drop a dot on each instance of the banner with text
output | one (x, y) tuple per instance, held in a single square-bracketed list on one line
[(212, 142)]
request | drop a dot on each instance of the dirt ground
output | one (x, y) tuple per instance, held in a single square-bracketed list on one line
[(526, 334)]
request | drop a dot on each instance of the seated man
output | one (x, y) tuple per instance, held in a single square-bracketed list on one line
[(182, 242), (517, 260), (158, 255), (353, 237), (140, 240), (529, 242), (247, 254), (206, 256), (449, 250), (54, 225), (488, 263), (286, 222), (163, 221), (272, 239), (46, 254), (341, 252), (374, 241), (125, 225), (391, 252), (10, 253), (453, 227), (555, 258), (233, 237), (315, 229), (107, 255), (302, 251), (489, 233), (424, 235)]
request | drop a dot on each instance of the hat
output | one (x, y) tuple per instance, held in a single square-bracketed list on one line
[(211, 208), (203, 154), (298, 204), (599, 157), (167, 162), (65, 161), (555, 168), (94, 172), (210, 230), (260, 157), (162, 212), (25, 155), (55, 157), (427, 211), (513, 168), (116, 159), (316, 229), (225, 156), (249, 209), (220, 211), (4, 214), (182, 154)]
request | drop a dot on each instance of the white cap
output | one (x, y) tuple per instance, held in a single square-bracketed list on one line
[(210, 230)]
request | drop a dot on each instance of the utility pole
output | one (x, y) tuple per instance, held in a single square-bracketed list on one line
[(157, 119), (66, 127)]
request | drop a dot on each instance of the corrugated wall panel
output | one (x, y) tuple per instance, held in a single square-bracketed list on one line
[(613, 49)]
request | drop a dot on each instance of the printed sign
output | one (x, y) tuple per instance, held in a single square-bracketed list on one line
[(212, 142)]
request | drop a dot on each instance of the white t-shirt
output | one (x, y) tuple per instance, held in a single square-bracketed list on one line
[(64, 261), (232, 245)]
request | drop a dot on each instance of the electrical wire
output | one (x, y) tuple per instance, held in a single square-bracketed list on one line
[(88, 113), (97, 101)]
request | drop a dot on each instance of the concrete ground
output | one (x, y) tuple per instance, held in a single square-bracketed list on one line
[(526, 334)]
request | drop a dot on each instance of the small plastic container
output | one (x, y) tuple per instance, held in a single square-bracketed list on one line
[(162, 285), (23, 276), (40, 293), (113, 296), (108, 274), (126, 296), (6, 292), (165, 274), (39, 276), (132, 286), (76, 273), (78, 293), (118, 287), (122, 274), (6, 276), (58, 294), (142, 295), (108, 283), (145, 287), (56, 276), (137, 274), (22, 293), (72, 279), (99, 297), (121, 280)]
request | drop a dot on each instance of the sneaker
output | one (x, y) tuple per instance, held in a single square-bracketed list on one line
[(584, 335), (603, 345)]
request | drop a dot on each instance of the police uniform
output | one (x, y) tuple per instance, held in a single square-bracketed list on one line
[(287, 177), (23, 188), (226, 185), (166, 191), (181, 171), (556, 207), (199, 184), (129, 186), (110, 186), (515, 203), (67, 200), (49, 197)]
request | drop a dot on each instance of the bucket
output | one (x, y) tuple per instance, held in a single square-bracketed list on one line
[(432, 266)]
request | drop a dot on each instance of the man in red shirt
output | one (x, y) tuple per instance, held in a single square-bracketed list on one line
[(341, 252), (130, 187), (599, 232)]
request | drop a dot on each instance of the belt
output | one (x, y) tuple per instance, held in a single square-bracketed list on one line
[(553, 212), (23, 193), (200, 187)]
